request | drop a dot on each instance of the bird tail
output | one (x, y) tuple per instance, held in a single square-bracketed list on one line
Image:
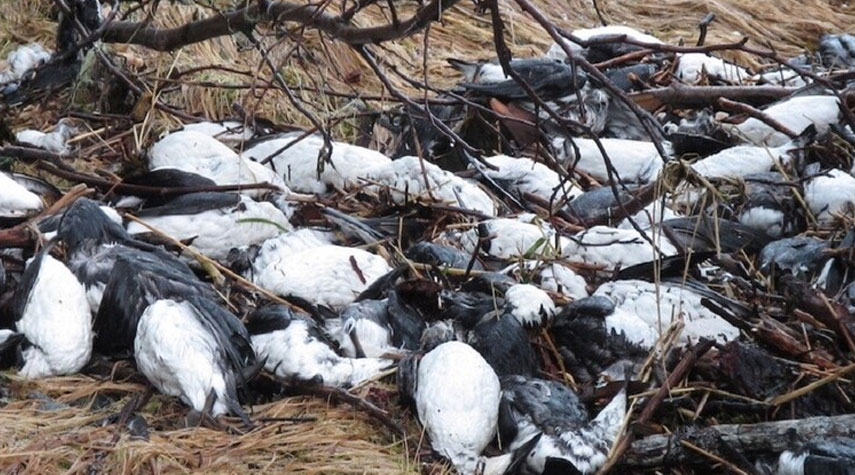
[(511, 462), (469, 69), (364, 369)]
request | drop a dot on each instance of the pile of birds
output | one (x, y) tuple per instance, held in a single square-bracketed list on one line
[(510, 295)]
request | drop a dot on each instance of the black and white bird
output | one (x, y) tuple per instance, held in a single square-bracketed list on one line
[(457, 396), (769, 206), (614, 248), (198, 351), (835, 455), (204, 155), (595, 338), (549, 79), (95, 240), (295, 349), (569, 442), (743, 160), (657, 306), (214, 222), (137, 280), (53, 322), (602, 32)]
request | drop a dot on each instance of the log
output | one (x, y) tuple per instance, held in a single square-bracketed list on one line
[(702, 96), (752, 439)]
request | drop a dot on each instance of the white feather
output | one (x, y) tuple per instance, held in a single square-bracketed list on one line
[(51, 141), (57, 321), (21, 61)]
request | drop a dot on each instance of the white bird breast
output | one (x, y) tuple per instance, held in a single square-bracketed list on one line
[(292, 354), (529, 303), (457, 399), (659, 308), (511, 237), (635, 161), (217, 231), (739, 161), (528, 176), (198, 153), (613, 247), (179, 356), (406, 179), (15, 200), (278, 248), (326, 275), (57, 320), (692, 64), (830, 194), (795, 114), (298, 164)]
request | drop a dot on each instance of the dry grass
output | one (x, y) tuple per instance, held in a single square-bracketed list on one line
[(72, 439), (57, 426)]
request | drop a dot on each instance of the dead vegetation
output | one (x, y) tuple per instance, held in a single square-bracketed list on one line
[(58, 425)]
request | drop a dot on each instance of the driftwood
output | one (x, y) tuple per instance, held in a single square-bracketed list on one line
[(764, 437), (702, 96)]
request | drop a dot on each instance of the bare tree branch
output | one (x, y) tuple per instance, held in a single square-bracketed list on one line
[(245, 19)]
